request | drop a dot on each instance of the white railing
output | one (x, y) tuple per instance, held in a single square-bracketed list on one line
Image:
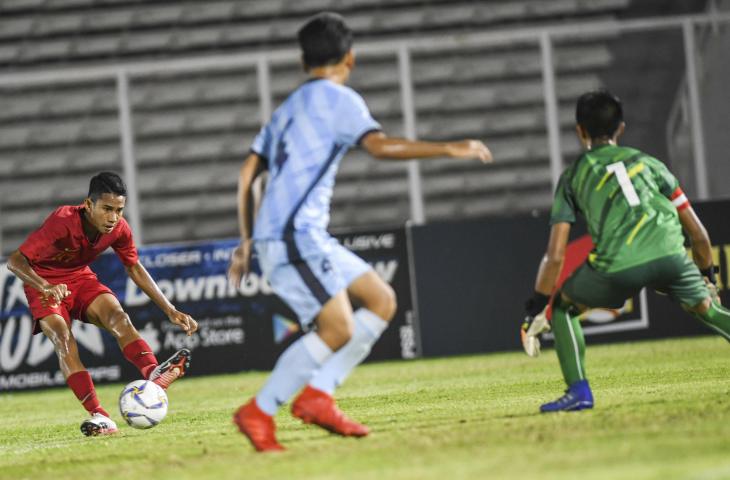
[(542, 37)]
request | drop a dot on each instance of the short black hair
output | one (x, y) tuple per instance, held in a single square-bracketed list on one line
[(106, 182), (325, 39), (600, 113)]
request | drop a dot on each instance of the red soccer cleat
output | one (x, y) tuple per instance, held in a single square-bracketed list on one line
[(258, 427), (318, 407), (171, 369)]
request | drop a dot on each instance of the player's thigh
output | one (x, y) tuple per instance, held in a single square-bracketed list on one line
[(40, 309), (591, 288), (106, 312), (681, 279), (364, 286), (58, 330), (88, 291), (306, 286), (373, 293)]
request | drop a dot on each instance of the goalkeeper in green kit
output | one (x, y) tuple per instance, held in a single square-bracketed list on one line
[(635, 212)]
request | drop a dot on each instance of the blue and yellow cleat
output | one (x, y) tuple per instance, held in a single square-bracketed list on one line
[(577, 397)]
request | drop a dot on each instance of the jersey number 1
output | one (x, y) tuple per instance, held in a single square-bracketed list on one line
[(624, 181)]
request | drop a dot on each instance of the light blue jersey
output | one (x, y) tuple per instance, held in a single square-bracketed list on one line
[(302, 147)]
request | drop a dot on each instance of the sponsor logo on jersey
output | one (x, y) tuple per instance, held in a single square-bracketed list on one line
[(67, 255)]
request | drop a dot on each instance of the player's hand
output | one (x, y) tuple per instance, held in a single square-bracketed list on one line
[(240, 262), (709, 275), (714, 292), (468, 149), (534, 324), (532, 328), (183, 320), (54, 294)]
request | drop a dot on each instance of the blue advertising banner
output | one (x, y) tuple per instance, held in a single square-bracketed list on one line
[(239, 329)]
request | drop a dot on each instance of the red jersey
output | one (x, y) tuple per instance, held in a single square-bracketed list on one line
[(60, 248)]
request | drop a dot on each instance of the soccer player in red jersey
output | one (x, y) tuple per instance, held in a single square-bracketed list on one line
[(53, 263)]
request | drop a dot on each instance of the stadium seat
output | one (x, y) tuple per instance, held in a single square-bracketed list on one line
[(192, 129)]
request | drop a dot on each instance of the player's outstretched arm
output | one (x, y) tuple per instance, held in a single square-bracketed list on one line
[(552, 263), (381, 146), (535, 322), (698, 237), (701, 247), (20, 267), (241, 259), (141, 277)]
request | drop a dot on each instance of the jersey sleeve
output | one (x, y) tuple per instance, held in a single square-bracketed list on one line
[(40, 242), (124, 246), (353, 120), (669, 185), (261, 144), (564, 209), (666, 181)]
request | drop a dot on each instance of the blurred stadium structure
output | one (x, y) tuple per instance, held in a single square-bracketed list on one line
[(171, 93)]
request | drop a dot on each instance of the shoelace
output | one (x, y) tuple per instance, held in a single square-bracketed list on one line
[(166, 378), (565, 399)]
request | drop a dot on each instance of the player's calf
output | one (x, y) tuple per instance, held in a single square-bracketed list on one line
[(140, 354)]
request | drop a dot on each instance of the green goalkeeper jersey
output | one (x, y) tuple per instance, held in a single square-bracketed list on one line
[(630, 202)]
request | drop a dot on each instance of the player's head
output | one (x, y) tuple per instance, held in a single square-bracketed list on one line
[(599, 117), (325, 40), (105, 202)]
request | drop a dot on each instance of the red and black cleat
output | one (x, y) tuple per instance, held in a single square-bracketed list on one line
[(258, 427), (171, 369), (318, 407)]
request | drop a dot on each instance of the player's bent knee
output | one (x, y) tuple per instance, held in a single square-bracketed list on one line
[(563, 301), (120, 325), (381, 301), (344, 331), (56, 329), (64, 344), (386, 304), (335, 324), (336, 336)]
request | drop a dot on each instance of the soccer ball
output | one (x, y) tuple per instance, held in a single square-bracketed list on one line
[(143, 404)]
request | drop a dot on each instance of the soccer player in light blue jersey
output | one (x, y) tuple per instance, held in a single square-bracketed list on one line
[(300, 148)]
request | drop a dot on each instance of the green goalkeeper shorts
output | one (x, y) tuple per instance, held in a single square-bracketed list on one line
[(675, 275)]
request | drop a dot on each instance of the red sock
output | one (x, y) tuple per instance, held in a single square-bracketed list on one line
[(83, 388), (141, 356)]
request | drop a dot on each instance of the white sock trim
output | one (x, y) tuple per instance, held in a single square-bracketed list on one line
[(316, 347), (372, 322)]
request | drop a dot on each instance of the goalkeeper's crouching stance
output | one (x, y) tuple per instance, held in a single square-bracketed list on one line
[(636, 212)]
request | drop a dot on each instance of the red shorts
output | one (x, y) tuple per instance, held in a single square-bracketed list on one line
[(84, 290)]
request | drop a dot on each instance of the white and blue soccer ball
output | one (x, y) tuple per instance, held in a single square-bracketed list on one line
[(143, 404)]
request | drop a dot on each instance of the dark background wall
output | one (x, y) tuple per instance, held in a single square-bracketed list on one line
[(472, 279)]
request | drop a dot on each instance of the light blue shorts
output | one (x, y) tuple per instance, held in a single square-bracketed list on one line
[(307, 283)]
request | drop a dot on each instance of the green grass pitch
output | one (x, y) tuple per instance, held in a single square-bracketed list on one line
[(662, 412)]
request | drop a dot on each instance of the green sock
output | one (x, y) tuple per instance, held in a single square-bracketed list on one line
[(569, 344), (718, 319)]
